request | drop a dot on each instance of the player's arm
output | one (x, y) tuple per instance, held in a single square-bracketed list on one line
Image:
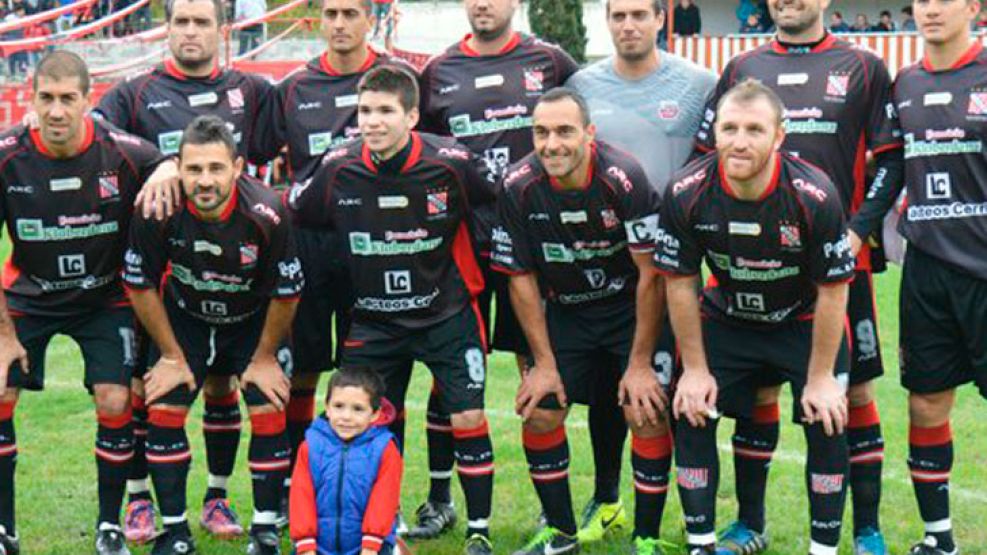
[(385, 496), (304, 524), (543, 378), (639, 387), (11, 350), (824, 398), (308, 201)]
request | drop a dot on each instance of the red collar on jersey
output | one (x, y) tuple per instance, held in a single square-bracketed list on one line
[(511, 45), (589, 173), (88, 129), (413, 156), (330, 70), (823, 45), (772, 185), (172, 69), (969, 56), (227, 212)]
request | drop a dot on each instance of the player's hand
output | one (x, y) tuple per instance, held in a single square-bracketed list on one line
[(824, 401), (30, 120), (161, 192), (856, 243), (538, 383), (267, 375), (695, 397), (11, 351), (640, 389), (166, 375)]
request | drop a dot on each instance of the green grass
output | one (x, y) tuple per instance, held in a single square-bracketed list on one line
[(57, 490)]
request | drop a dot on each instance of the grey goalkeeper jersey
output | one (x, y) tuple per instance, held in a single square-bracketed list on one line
[(655, 118)]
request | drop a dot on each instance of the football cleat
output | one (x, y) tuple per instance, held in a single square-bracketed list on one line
[(219, 519), (138, 521), (600, 519), (432, 520), (550, 541), (110, 540), (738, 539)]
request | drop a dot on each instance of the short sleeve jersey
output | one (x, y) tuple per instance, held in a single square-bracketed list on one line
[(837, 99), (405, 226), (221, 272), (577, 241), (315, 110), (158, 105), (654, 118), (486, 102), (944, 121), (767, 255), (67, 218)]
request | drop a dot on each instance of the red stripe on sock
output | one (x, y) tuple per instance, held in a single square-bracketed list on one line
[(267, 423), (766, 414), (7, 410), (167, 418), (301, 407), (115, 421), (864, 416), (137, 403), (543, 442), (228, 400), (479, 431), (929, 437), (652, 447)]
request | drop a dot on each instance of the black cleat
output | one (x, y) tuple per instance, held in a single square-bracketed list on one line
[(110, 540), (264, 542), (432, 520), (478, 544), (929, 546), (9, 545), (176, 540)]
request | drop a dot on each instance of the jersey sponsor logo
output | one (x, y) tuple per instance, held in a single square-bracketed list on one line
[(688, 181), (668, 109), (505, 111), (978, 104), (918, 148), (354, 201), (268, 212), (642, 231), (620, 175), (810, 112), (235, 98), (397, 282), (71, 265), (318, 143), (462, 125), (745, 269), (316, 105), (609, 217), (792, 79), (361, 244), (500, 235), (517, 174), (35, 230), (706, 228), (809, 189), (486, 81), (750, 302), (826, 484), (692, 478), (65, 184), (596, 277), (615, 286), (497, 159), (573, 217), (751, 229), (203, 99), (169, 141), (437, 202), (952, 211), (214, 308), (377, 304), (454, 153), (109, 186), (202, 245), (249, 252), (790, 236), (534, 80), (159, 105), (290, 269), (211, 282), (938, 186), (944, 134), (345, 101), (937, 99), (837, 85), (539, 217), (387, 202), (449, 89), (23, 189), (409, 235), (837, 249), (84, 282), (557, 252), (8, 141), (810, 127)]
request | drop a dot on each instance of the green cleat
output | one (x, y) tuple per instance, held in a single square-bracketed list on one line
[(600, 520)]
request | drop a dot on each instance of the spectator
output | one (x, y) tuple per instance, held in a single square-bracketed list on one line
[(382, 12), (250, 37), (744, 9), (764, 16), (860, 24), (687, 19), (752, 26), (64, 22), (17, 62), (907, 20), (837, 24), (885, 24)]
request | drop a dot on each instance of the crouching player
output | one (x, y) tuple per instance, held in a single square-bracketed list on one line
[(349, 453), (226, 263)]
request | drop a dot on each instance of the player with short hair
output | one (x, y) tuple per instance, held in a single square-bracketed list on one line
[(649, 103), (771, 229), (229, 282), (576, 220), (942, 108), (402, 200), (837, 98), (481, 91), (66, 193), (158, 105)]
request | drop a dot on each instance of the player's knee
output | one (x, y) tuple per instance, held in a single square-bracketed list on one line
[(543, 421), (930, 409), (768, 395), (468, 420), (861, 394), (9, 396), (219, 386), (111, 400), (648, 429)]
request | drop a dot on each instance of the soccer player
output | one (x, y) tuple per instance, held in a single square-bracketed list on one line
[(771, 228), (158, 105), (649, 103), (481, 91), (67, 191), (942, 108), (576, 219), (230, 280), (402, 201), (836, 98)]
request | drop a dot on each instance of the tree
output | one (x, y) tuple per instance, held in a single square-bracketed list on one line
[(561, 22)]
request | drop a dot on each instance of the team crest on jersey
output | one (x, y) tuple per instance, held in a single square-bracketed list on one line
[(534, 81), (109, 186), (790, 235), (248, 254), (235, 98), (837, 85), (609, 218), (978, 104), (668, 109), (437, 203)]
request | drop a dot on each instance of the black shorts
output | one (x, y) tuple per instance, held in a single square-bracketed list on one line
[(943, 326), (219, 350), (326, 293), (744, 358), (105, 337), (865, 343), (454, 350), (591, 348), (506, 334)]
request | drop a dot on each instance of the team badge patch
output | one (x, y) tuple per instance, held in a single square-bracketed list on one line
[(693, 478), (109, 186), (235, 97), (534, 80), (978, 104), (248, 254), (826, 484), (438, 203), (837, 85), (790, 235), (668, 109), (609, 218)]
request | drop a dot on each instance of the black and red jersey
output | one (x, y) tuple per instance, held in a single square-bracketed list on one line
[(486, 102), (315, 110), (577, 241), (224, 271), (67, 218), (837, 99), (159, 104), (944, 121), (405, 225), (767, 255)]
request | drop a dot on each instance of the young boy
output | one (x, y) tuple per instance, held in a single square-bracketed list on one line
[(347, 481)]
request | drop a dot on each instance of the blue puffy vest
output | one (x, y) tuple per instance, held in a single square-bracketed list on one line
[(343, 475)]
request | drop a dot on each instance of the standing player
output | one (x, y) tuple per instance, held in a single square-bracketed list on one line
[(576, 219), (771, 229), (402, 200), (836, 99), (943, 111), (230, 281), (158, 106), (482, 91), (67, 191), (649, 103)]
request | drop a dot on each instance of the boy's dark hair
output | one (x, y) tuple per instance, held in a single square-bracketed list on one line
[(358, 376), (392, 79)]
